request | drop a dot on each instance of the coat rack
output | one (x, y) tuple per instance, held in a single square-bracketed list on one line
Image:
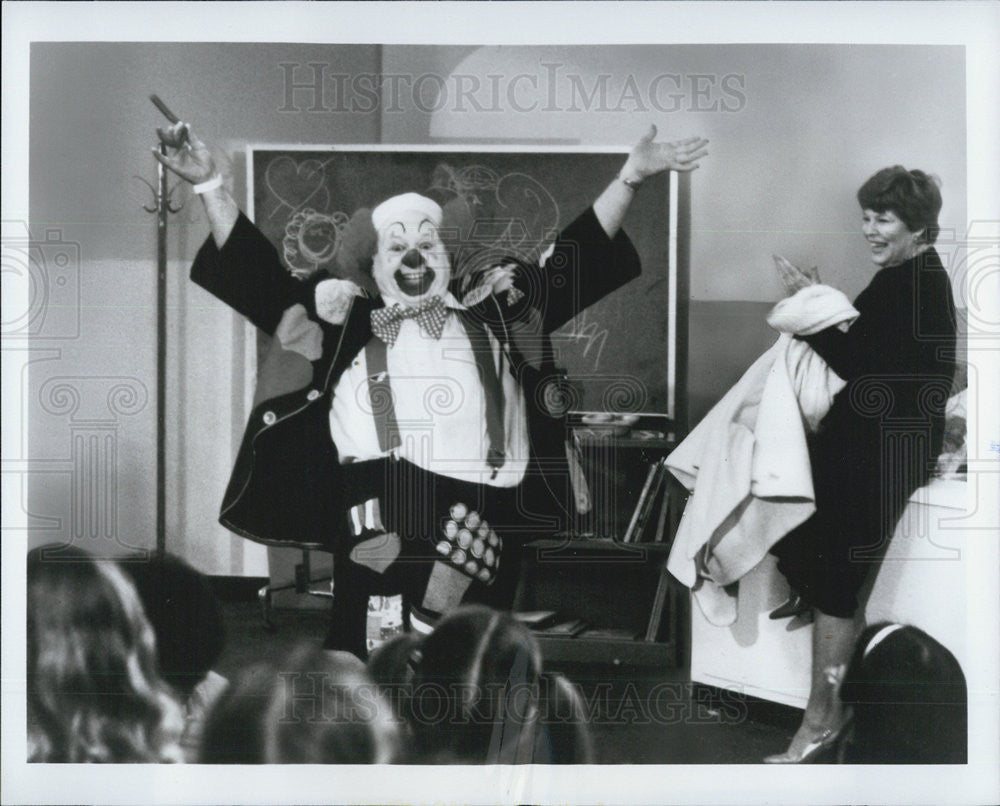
[(162, 207)]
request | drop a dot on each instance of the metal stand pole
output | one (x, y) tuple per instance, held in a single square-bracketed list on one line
[(162, 208)]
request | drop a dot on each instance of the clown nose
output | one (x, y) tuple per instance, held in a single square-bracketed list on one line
[(413, 259)]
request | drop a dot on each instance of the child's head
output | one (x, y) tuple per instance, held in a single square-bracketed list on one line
[(392, 667), (565, 736), (909, 699), (94, 693), (190, 633), (317, 708), (475, 692)]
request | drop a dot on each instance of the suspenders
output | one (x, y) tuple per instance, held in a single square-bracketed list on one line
[(380, 395), (383, 408), (384, 412)]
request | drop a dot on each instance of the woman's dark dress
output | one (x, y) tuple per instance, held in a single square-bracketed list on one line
[(880, 438)]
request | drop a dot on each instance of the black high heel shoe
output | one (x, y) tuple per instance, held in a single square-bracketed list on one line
[(794, 606)]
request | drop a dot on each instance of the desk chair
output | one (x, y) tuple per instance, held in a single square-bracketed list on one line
[(302, 582)]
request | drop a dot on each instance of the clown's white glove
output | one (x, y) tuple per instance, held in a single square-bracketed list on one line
[(186, 156), (501, 278), (334, 298), (495, 281)]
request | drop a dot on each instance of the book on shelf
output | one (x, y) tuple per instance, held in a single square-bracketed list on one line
[(647, 498), (575, 534), (661, 521), (584, 540), (640, 504), (659, 603), (614, 633), (569, 629), (536, 619), (659, 484)]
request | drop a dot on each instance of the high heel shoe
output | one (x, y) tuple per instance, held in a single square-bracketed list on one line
[(812, 749), (809, 752), (794, 606)]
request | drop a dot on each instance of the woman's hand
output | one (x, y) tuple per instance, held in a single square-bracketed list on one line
[(649, 157), (186, 156), (794, 278)]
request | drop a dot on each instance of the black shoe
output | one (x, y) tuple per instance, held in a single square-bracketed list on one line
[(346, 641), (795, 606)]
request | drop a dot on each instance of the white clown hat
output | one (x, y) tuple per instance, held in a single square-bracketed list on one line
[(392, 209)]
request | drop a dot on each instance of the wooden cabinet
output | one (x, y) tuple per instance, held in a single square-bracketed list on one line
[(636, 613), (922, 581)]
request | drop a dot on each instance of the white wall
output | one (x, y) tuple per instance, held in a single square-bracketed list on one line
[(91, 471), (805, 126)]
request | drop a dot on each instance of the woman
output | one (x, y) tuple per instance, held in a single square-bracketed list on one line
[(879, 440), (94, 694)]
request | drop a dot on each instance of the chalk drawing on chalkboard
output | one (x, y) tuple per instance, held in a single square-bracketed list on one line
[(311, 240), (297, 185), (624, 354), (312, 232), (513, 214), (591, 335), (467, 182)]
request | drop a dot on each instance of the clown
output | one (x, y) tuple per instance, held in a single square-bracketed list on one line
[(394, 423)]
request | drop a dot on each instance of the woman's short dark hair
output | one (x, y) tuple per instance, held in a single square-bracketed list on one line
[(909, 699), (914, 196)]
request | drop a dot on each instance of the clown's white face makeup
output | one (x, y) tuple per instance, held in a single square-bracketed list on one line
[(411, 263)]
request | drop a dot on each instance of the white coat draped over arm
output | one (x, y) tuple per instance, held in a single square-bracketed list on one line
[(747, 462)]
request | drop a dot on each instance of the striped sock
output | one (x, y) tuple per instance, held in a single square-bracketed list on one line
[(422, 620)]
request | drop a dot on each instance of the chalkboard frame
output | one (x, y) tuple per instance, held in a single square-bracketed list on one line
[(675, 232)]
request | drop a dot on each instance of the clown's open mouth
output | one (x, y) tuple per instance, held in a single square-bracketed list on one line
[(414, 282)]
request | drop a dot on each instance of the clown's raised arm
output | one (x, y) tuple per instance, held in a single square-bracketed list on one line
[(264, 290), (346, 415), (191, 159), (647, 158)]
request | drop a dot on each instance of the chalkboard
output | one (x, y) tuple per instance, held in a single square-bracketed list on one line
[(622, 354)]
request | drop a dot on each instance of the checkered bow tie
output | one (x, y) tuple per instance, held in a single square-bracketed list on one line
[(430, 315)]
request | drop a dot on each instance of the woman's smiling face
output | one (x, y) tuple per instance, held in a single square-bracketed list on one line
[(890, 240)]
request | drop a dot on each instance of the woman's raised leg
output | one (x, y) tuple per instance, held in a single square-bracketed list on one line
[(832, 645)]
